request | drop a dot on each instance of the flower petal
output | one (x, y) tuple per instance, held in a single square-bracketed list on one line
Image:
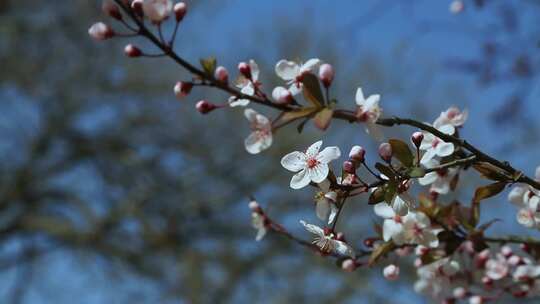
[(318, 173), (260, 234), (310, 64), (313, 229), (344, 249), (328, 154), (254, 70), (428, 156), (300, 179), (287, 70), (294, 161), (427, 179), (333, 213), (313, 150), (251, 115), (374, 131), (322, 209), (447, 129), (360, 100), (391, 229), (400, 206), (444, 149), (384, 210)]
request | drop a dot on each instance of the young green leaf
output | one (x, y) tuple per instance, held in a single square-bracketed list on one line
[(488, 191), (312, 90), (380, 251), (377, 196), (402, 152), (323, 118), (209, 65)]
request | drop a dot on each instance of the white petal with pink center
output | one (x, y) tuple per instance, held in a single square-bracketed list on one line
[(439, 180), (453, 116), (261, 136), (310, 166), (246, 86), (436, 147), (327, 243), (292, 72), (368, 112)]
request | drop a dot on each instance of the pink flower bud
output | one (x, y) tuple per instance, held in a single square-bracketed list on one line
[(456, 6), (221, 74), (348, 265), (100, 31), (418, 262), (391, 272), (180, 10), (417, 138), (132, 51), (182, 89), (357, 154), (421, 250), (487, 281), (459, 292), (340, 236), (481, 258), (137, 7), (157, 10), (244, 69), (205, 107), (326, 74), (254, 206), (349, 167), (369, 242), (110, 9), (476, 300), (385, 152), (506, 251), (281, 95)]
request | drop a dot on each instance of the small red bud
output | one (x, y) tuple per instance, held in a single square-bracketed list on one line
[(327, 231), (180, 10), (132, 51), (282, 95), (111, 9), (244, 69), (349, 167), (349, 265), (182, 89), (369, 242), (137, 7), (205, 107), (417, 138), (357, 154), (221, 74), (326, 74), (100, 31), (385, 152)]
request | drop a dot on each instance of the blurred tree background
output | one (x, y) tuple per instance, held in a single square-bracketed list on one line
[(113, 191)]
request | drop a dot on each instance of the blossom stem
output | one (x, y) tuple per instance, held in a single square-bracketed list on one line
[(339, 210), (458, 162)]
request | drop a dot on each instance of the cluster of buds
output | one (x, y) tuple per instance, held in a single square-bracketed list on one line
[(356, 158)]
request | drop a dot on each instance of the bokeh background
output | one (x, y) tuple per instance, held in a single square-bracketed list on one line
[(113, 191)]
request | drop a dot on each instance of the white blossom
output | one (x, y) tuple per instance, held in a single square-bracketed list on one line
[(439, 180), (327, 243), (497, 268), (434, 278), (391, 272), (246, 86), (311, 166), (434, 146), (453, 116), (292, 72), (157, 10), (369, 112), (258, 222), (325, 202), (261, 136)]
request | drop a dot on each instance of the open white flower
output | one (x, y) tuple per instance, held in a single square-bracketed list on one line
[(393, 223), (434, 146), (325, 202), (292, 72), (369, 112), (401, 201), (439, 180), (497, 268), (327, 243), (434, 279), (246, 86), (528, 202), (453, 116), (417, 230), (258, 222), (261, 136), (312, 165), (157, 10), (526, 272)]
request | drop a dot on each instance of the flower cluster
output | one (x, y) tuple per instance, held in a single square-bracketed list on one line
[(454, 260)]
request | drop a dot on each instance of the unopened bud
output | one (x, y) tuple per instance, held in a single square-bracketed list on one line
[(391, 272), (137, 7), (221, 74), (487, 281), (326, 74), (481, 258), (349, 167), (281, 95), (385, 152), (476, 300), (506, 251), (180, 10), (327, 231), (110, 9), (369, 242), (157, 10), (514, 260), (132, 51), (348, 265), (459, 292), (525, 247), (182, 89), (100, 31), (418, 262), (244, 69), (254, 206), (456, 6), (357, 154), (340, 236), (417, 138), (205, 107), (421, 250)]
